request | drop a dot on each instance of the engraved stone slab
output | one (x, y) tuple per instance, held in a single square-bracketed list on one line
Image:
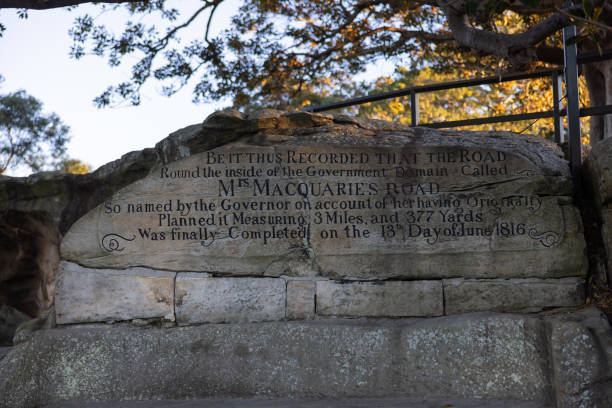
[(97, 295), (340, 203), (233, 300), (512, 295), (379, 299)]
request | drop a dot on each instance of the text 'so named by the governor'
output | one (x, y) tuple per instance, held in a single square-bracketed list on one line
[(413, 197)]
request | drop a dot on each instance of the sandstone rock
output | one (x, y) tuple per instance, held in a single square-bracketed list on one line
[(306, 119), (265, 119), (512, 295), (300, 299), (406, 204), (200, 299), (95, 295), (581, 348), (379, 299), (598, 181), (483, 355), (29, 254), (27, 329), (4, 351), (225, 119), (10, 319), (599, 170)]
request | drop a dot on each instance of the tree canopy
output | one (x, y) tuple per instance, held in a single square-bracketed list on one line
[(73, 166), (27, 135), (504, 98), (275, 51)]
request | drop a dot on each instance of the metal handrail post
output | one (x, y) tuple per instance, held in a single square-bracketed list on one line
[(573, 105), (414, 108), (557, 106)]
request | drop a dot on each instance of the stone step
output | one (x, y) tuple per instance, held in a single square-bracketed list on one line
[(451, 402), (492, 358)]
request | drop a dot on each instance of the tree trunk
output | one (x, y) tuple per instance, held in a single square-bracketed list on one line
[(599, 84)]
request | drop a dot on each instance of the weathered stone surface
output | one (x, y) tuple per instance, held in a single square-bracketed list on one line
[(379, 299), (217, 300), (347, 198), (606, 234), (498, 354), (4, 351), (29, 254), (598, 166), (513, 295), (10, 319), (482, 355), (300, 299), (581, 352), (598, 180), (95, 295)]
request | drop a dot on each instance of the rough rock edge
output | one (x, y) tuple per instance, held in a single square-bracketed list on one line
[(597, 174), (74, 195)]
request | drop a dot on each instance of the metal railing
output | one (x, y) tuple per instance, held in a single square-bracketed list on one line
[(414, 92), (569, 73)]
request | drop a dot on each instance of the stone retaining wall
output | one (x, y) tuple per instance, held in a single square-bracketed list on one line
[(98, 295)]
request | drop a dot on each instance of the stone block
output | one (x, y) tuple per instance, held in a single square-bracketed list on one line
[(485, 355), (511, 295), (228, 300), (99, 295), (379, 299), (300, 299), (581, 354)]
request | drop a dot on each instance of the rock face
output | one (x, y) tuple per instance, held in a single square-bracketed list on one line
[(598, 170), (29, 255), (403, 204), (482, 355), (307, 255), (334, 199), (10, 319)]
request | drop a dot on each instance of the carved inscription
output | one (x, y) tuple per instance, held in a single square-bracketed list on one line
[(330, 199)]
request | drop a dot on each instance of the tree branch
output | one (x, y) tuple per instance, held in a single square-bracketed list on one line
[(50, 4), (518, 47), (584, 20)]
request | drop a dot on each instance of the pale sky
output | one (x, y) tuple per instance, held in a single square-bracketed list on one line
[(34, 57)]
